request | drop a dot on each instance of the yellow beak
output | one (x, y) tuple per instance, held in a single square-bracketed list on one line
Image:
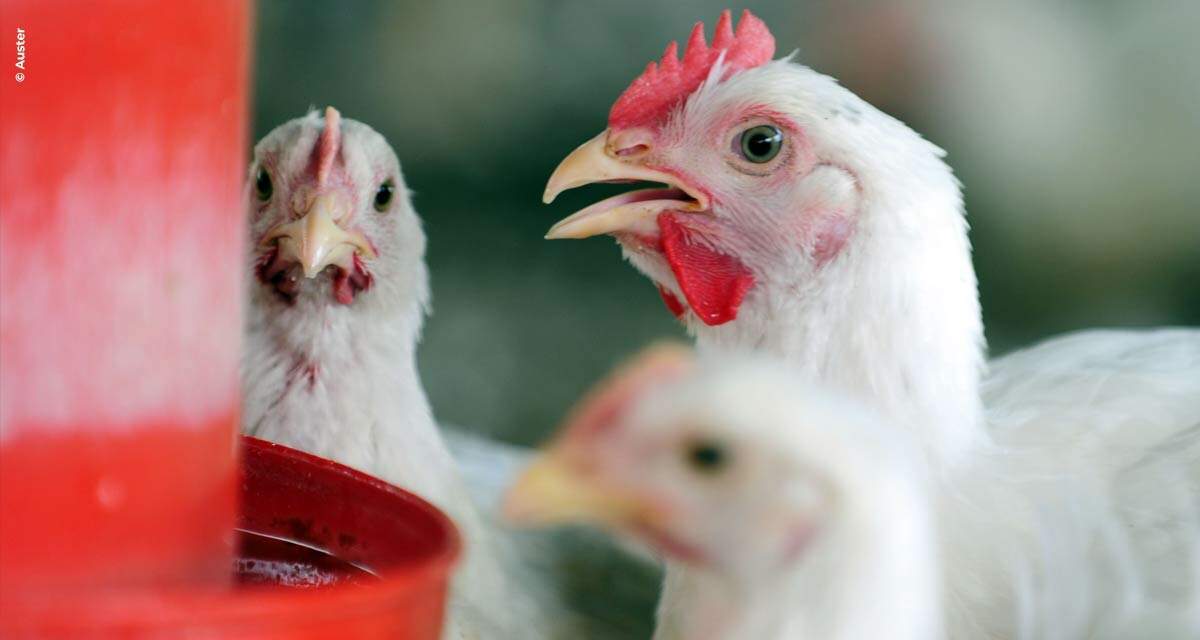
[(551, 491), (598, 161), (317, 241)]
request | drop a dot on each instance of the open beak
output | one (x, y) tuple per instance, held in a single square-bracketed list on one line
[(551, 491), (615, 158), (317, 241)]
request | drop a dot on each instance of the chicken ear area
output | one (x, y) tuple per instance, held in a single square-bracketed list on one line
[(714, 283)]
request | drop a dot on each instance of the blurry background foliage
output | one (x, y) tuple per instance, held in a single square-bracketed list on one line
[(1075, 126)]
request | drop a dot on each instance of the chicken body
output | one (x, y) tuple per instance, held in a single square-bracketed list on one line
[(802, 222), (792, 512), (338, 291), (1087, 495)]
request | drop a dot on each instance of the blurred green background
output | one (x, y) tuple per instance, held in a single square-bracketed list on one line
[(1075, 126)]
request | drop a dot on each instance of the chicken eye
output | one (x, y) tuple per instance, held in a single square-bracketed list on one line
[(383, 196), (262, 185), (762, 143), (706, 457)]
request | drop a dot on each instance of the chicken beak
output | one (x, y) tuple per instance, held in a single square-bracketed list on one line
[(589, 163), (608, 158), (317, 241), (551, 491)]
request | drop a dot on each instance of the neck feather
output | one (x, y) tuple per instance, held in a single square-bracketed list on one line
[(873, 575), (341, 382)]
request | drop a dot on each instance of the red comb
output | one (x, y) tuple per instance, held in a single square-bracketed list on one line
[(328, 143), (661, 87)]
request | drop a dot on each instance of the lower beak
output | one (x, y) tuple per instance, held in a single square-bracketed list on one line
[(597, 161), (551, 491), (317, 241)]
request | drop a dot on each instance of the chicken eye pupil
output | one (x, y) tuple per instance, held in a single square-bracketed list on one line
[(262, 185), (706, 457), (383, 197), (762, 143)]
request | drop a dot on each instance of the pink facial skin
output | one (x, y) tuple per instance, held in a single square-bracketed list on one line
[(714, 280), (832, 230), (669, 545)]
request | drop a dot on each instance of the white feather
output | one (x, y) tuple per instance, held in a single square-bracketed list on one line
[(1091, 537), (819, 525), (895, 319), (364, 405)]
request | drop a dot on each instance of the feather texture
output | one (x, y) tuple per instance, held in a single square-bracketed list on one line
[(1081, 535), (855, 237), (340, 381)]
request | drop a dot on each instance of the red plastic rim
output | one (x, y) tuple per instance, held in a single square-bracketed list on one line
[(408, 543)]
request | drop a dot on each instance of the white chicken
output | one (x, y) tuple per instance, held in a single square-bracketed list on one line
[(802, 222), (795, 513), (337, 294)]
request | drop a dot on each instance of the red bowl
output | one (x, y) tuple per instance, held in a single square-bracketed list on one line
[(324, 552)]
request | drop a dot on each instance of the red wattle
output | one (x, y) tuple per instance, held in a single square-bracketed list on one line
[(347, 284), (714, 283), (673, 304), (343, 292)]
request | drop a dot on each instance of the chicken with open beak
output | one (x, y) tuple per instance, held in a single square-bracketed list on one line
[(619, 157), (727, 160)]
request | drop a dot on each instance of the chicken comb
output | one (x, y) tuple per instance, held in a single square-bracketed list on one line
[(607, 402), (328, 144), (665, 84)]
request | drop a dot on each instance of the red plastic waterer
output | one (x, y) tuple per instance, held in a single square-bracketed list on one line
[(122, 156), (323, 551)]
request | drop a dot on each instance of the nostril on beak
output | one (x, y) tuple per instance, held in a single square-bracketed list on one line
[(628, 143)]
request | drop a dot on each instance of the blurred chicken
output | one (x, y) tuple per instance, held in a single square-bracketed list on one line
[(793, 510), (800, 221), (794, 513), (338, 293)]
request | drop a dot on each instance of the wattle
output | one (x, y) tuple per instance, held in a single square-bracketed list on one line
[(347, 283), (673, 304), (713, 283)]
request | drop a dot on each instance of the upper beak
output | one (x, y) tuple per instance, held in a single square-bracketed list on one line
[(552, 491), (317, 241), (616, 158)]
